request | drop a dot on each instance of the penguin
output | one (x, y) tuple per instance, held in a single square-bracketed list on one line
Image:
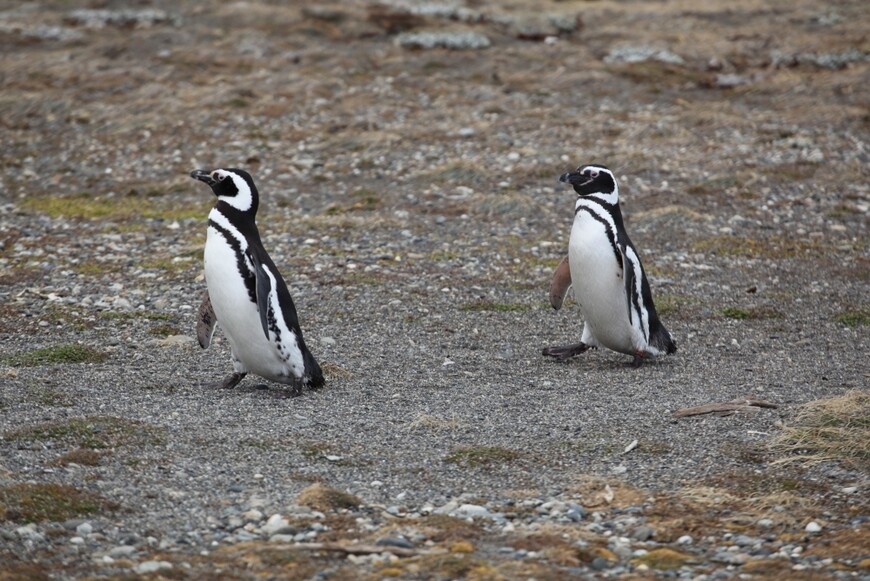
[(608, 280), (246, 295)]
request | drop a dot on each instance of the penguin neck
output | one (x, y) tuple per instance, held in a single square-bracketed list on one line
[(243, 221)]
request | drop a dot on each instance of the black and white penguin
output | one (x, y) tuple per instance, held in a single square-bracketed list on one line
[(247, 296), (608, 280)]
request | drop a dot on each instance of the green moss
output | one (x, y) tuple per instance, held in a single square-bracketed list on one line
[(57, 355), (164, 330), (491, 306), (87, 206), (134, 315), (752, 313), (80, 456), (23, 503), (854, 319), (476, 456), (93, 432), (663, 559), (733, 246)]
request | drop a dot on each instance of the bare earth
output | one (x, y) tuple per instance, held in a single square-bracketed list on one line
[(409, 194)]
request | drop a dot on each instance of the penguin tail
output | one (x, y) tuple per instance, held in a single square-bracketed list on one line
[(313, 373), (660, 339)]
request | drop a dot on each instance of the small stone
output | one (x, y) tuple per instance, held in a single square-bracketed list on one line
[(77, 541), (395, 542), (850, 489), (730, 558), (764, 523), (280, 538), (600, 564), (84, 529), (472, 510), (151, 566), (643, 533), (252, 515), (277, 524), (813, 527), (685, 540), (122, 551)]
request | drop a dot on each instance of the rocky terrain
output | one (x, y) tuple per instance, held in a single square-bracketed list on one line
[(407, 156)]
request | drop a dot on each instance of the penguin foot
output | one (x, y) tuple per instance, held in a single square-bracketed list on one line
[(230, 382), (638, 358), (565, 352), (288, 393)]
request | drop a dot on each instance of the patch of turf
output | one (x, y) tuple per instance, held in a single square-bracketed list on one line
[(24, 503), (494, 307), (80, 456), (751, 313), (57, 355), (87, 206), (325, 498), (854, 319), (663, 559), (93, 432), (733, 246), (829, 429), (476, 456)]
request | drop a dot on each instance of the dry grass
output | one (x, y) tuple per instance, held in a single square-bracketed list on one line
[(829, 429), (430, 422), (324, 498)]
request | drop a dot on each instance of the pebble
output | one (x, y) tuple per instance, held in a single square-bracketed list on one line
[(643, 533), (685, 540), (472, 511), (151, 567), (277, 524), (84, 529), (813, 527), (122, 551)]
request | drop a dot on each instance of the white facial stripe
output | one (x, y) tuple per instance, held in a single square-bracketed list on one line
[(243, 200), (221, 220)]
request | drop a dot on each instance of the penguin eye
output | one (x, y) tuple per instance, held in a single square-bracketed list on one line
[(593, 173), (218, 177)]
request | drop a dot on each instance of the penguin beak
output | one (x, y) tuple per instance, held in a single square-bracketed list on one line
[(203, 176), (575, 178)]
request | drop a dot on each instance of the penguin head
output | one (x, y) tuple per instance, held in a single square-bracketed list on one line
[(591, 179), (233, 186)]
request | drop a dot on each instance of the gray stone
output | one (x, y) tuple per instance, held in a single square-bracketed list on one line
[(450, 40), (643, 533), (151, 567)]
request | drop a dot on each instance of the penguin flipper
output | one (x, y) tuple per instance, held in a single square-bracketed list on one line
[(205, 325), (560, 284), (629, 278), (264, 289)]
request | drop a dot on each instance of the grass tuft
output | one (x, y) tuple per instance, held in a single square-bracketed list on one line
[(92, 432), (57, 355), (494, 307), (829, 429), (476, 456), (325, 498), (24, 503), (853, 319)]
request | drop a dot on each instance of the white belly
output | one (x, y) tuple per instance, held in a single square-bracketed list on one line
[(237, 316), (598, 285)]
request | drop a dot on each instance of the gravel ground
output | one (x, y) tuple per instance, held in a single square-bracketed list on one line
[(409, 194)]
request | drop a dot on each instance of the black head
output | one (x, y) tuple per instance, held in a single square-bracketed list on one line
[(591, 179), (233, 186)]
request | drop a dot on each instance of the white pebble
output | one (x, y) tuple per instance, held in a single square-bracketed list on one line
[(685, 540), (813, 527)]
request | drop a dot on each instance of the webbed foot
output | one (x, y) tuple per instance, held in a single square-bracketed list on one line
[(230, 382), (565, 352)]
